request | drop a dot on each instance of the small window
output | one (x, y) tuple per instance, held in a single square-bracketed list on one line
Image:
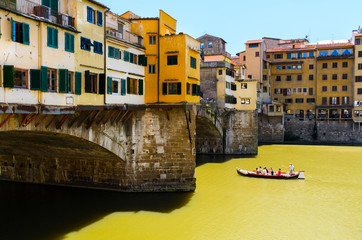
[(324, 89), (193, 62), (310, 100), (334, 65), (325, 65), (220, 72), (99, 18), (359, 91), (90, 15), (152, 40), (334, 88), (345, 64), (98, 47), (357, 41), (324, 77), (344, 88), (250, 76), (278, 78), (20, 32), (132, 86), (345, 76), (69, 42), (202, 45), (20, 78), (172, 60), (210, 44), (116, 86), (334, 76), (324, 101), (152, 69), (359, 54), (311, 54), (311, 77), (278, 56), (289, 78), (299, 100), (253, 45), (256, 54), (299, 78), (71, 82), (289, 55), (52, 80), (359, 66), (244, 86), (52, 37), (85, 44)]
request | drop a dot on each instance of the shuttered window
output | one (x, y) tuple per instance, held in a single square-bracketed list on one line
[(20, 32), (126, 56), (193, 62), (109, 85), (35, 79), (8, 76), (78, 83), (114, 53), (44, 79), (102, 84), (99, 18), (52, 37), (63, 81), (98, 47), (123, 87), (172, 60), (140, 86), (90, 15), (69, 42)]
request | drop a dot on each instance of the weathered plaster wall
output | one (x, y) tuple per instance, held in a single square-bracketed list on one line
[(271, 129)]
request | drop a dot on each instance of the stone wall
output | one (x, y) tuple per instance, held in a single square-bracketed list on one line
[(270, 129), (208, 83), (309, 131), (154, 150), (241, 132)]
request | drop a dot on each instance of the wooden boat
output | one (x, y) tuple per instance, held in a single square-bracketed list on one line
[(247, 173)]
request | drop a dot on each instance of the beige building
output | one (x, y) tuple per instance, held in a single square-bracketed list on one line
[(357, 93)]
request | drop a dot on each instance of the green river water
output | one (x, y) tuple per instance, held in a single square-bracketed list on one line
[(326, 205)]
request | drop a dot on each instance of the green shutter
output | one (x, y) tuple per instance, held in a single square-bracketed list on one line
[(198, 90), (26, 37), (109, 85), (35, 79), (78, 83), (140, 86), (87, 84), (8, 76), (54, 5), (67, 41), (131, 58), (126, 56), (117, 53), (13, 30), (178, 88), (188, 88), (164, 88), (71, 43), (44, 79), (46, 3), (110, 52), (123, 87), (55, 37), (63, 81), (50, 36), (140, 59), (194, 89), (128, 85)]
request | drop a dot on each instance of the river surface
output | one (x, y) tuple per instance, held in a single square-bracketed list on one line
[(326, 205)]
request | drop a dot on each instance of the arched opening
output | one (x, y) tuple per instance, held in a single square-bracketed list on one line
[(53, 158), (208, 137)]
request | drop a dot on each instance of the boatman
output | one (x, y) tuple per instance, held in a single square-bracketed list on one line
[(291, 168)]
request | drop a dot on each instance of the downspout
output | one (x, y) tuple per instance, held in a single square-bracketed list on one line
[(105, 54), (315, 130), (40, 57), (158, 62)]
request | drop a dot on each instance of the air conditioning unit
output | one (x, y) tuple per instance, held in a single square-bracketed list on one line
[(119, 35), (42, 11)]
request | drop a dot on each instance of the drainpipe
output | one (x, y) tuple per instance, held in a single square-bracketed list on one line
[(315, 130), (158, 62), (40, 57), (105, 53)]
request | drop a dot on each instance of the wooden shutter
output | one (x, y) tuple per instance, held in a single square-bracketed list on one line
[(54, 5), (35, 79), (111, 51), (44, 79), (128, 85), (13, 30), (63, 81), (87, 83), (131, 58), (45, 3), (164, 88), (198, 90), (178, 88), (8, 76), (50, 36), (102, 83), (140, 86), (109, 85), (26, 38), (99, 18), (117, 53), (55, 38), (126, 56), (71, 42), (67, 42), (78, 83), (123, 87)]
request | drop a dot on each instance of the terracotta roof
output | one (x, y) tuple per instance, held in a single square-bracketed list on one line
[(334, 45), (286, 49), (254, 41)]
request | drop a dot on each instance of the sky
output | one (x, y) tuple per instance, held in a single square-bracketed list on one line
[(239, 21)]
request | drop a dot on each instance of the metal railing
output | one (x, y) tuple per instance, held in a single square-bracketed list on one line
[(31, 8), (125, 35)]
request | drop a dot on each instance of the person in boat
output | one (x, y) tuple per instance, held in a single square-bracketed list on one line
[(264, 171), (259, 170), (291, 168), (271, 171), (279, 172)]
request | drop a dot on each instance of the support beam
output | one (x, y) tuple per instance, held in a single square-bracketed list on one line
[(41, 120), (109, 117), (94, 118), (113, 121), (102, 118), (85, 119), (129, 115), (25, 117), (51, 121), (6, 120), (122, 117), (74, 120), (188, 127), (62, 121), (167, 115), (30, 120)]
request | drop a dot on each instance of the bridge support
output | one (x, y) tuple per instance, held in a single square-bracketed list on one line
[(112, 148)]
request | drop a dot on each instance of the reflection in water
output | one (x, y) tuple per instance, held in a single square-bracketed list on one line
[(326, 205), (47, 212)]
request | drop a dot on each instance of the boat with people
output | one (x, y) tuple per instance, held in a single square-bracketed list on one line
[(283, 175)]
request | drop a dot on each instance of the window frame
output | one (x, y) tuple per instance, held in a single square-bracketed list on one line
[(172, 60), (26, 71), (52, 86)]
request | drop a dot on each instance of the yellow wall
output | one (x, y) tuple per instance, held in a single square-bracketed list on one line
[(246, 93), (357, 72), (88, 60), (167, 24)]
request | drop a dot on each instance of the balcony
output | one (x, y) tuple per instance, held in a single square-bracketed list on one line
[(126, 36), (43, 12)]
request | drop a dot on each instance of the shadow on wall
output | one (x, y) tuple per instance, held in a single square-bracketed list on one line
[(202, 159), (39, 212)]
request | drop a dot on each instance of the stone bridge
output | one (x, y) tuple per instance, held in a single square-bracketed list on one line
[(124, 148), (225, 131)]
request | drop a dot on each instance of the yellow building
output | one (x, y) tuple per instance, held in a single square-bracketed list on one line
[(357, 116), (173, 65), (246, 94), (334, 72), (291, 72)]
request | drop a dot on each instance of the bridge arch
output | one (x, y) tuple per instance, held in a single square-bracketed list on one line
[(209, 134)]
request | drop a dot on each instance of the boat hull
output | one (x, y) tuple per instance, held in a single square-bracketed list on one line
[(254, 175)]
